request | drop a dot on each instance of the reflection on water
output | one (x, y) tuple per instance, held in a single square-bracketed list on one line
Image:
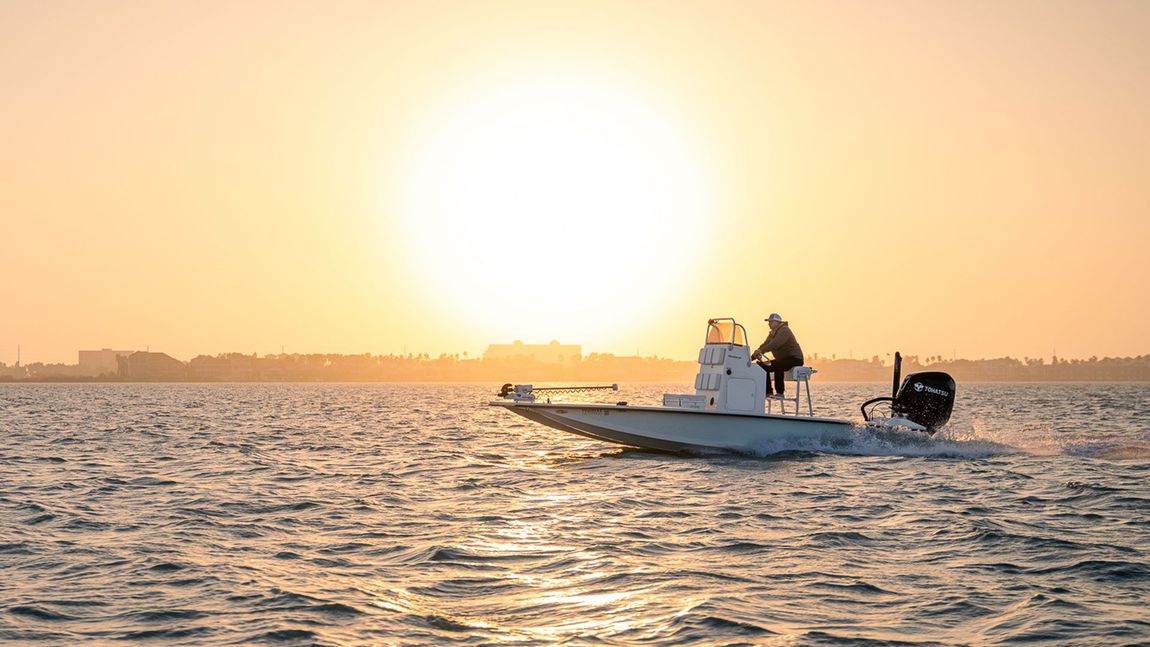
[(410, 514)]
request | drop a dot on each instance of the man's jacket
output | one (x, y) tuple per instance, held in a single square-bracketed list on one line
[(783, 344)]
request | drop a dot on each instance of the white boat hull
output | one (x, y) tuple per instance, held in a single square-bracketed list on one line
[(689, 430)]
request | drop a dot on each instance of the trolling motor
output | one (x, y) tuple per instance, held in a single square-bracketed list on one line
[(526, 393), (925, 399)]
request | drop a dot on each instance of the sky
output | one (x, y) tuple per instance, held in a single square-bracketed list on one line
[(964, 179)]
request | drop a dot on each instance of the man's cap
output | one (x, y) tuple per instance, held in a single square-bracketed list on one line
[(774, 317)]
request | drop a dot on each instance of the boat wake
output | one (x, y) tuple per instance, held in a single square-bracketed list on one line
[(965, 441), (867, 441)]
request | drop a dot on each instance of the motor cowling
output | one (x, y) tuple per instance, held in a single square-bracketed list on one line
[(926, 398)]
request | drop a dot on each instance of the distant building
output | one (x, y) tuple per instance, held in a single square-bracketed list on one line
[(152, 367), (16, 372), (95, 363), (553, 353)]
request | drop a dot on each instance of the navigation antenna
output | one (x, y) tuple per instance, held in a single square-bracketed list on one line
[(897, 374)]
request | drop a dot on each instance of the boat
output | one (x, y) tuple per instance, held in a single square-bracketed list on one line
[(729, 410)]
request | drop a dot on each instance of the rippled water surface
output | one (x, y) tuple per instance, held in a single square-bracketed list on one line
[(410, 514)]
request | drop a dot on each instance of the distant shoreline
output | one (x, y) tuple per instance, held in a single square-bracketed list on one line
[(155, 367)]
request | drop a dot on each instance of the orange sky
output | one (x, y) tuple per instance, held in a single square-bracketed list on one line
[(935, 178)]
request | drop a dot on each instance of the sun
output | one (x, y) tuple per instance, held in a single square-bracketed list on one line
[(554, 208)]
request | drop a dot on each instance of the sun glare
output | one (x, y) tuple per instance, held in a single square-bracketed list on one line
[(553, 208)]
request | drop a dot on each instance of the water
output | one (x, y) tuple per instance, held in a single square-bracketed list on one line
[(411, 514)]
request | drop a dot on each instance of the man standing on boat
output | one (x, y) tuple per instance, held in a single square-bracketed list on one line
[(783, 345)]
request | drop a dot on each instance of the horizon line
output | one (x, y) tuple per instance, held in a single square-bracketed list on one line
[(465, 356)]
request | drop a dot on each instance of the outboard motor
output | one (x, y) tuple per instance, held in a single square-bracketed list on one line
[(926, 398)]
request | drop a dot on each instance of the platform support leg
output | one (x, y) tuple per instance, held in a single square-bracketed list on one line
[(810, 406)]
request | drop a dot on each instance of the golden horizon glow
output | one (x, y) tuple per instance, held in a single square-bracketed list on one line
[(935, 178)]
